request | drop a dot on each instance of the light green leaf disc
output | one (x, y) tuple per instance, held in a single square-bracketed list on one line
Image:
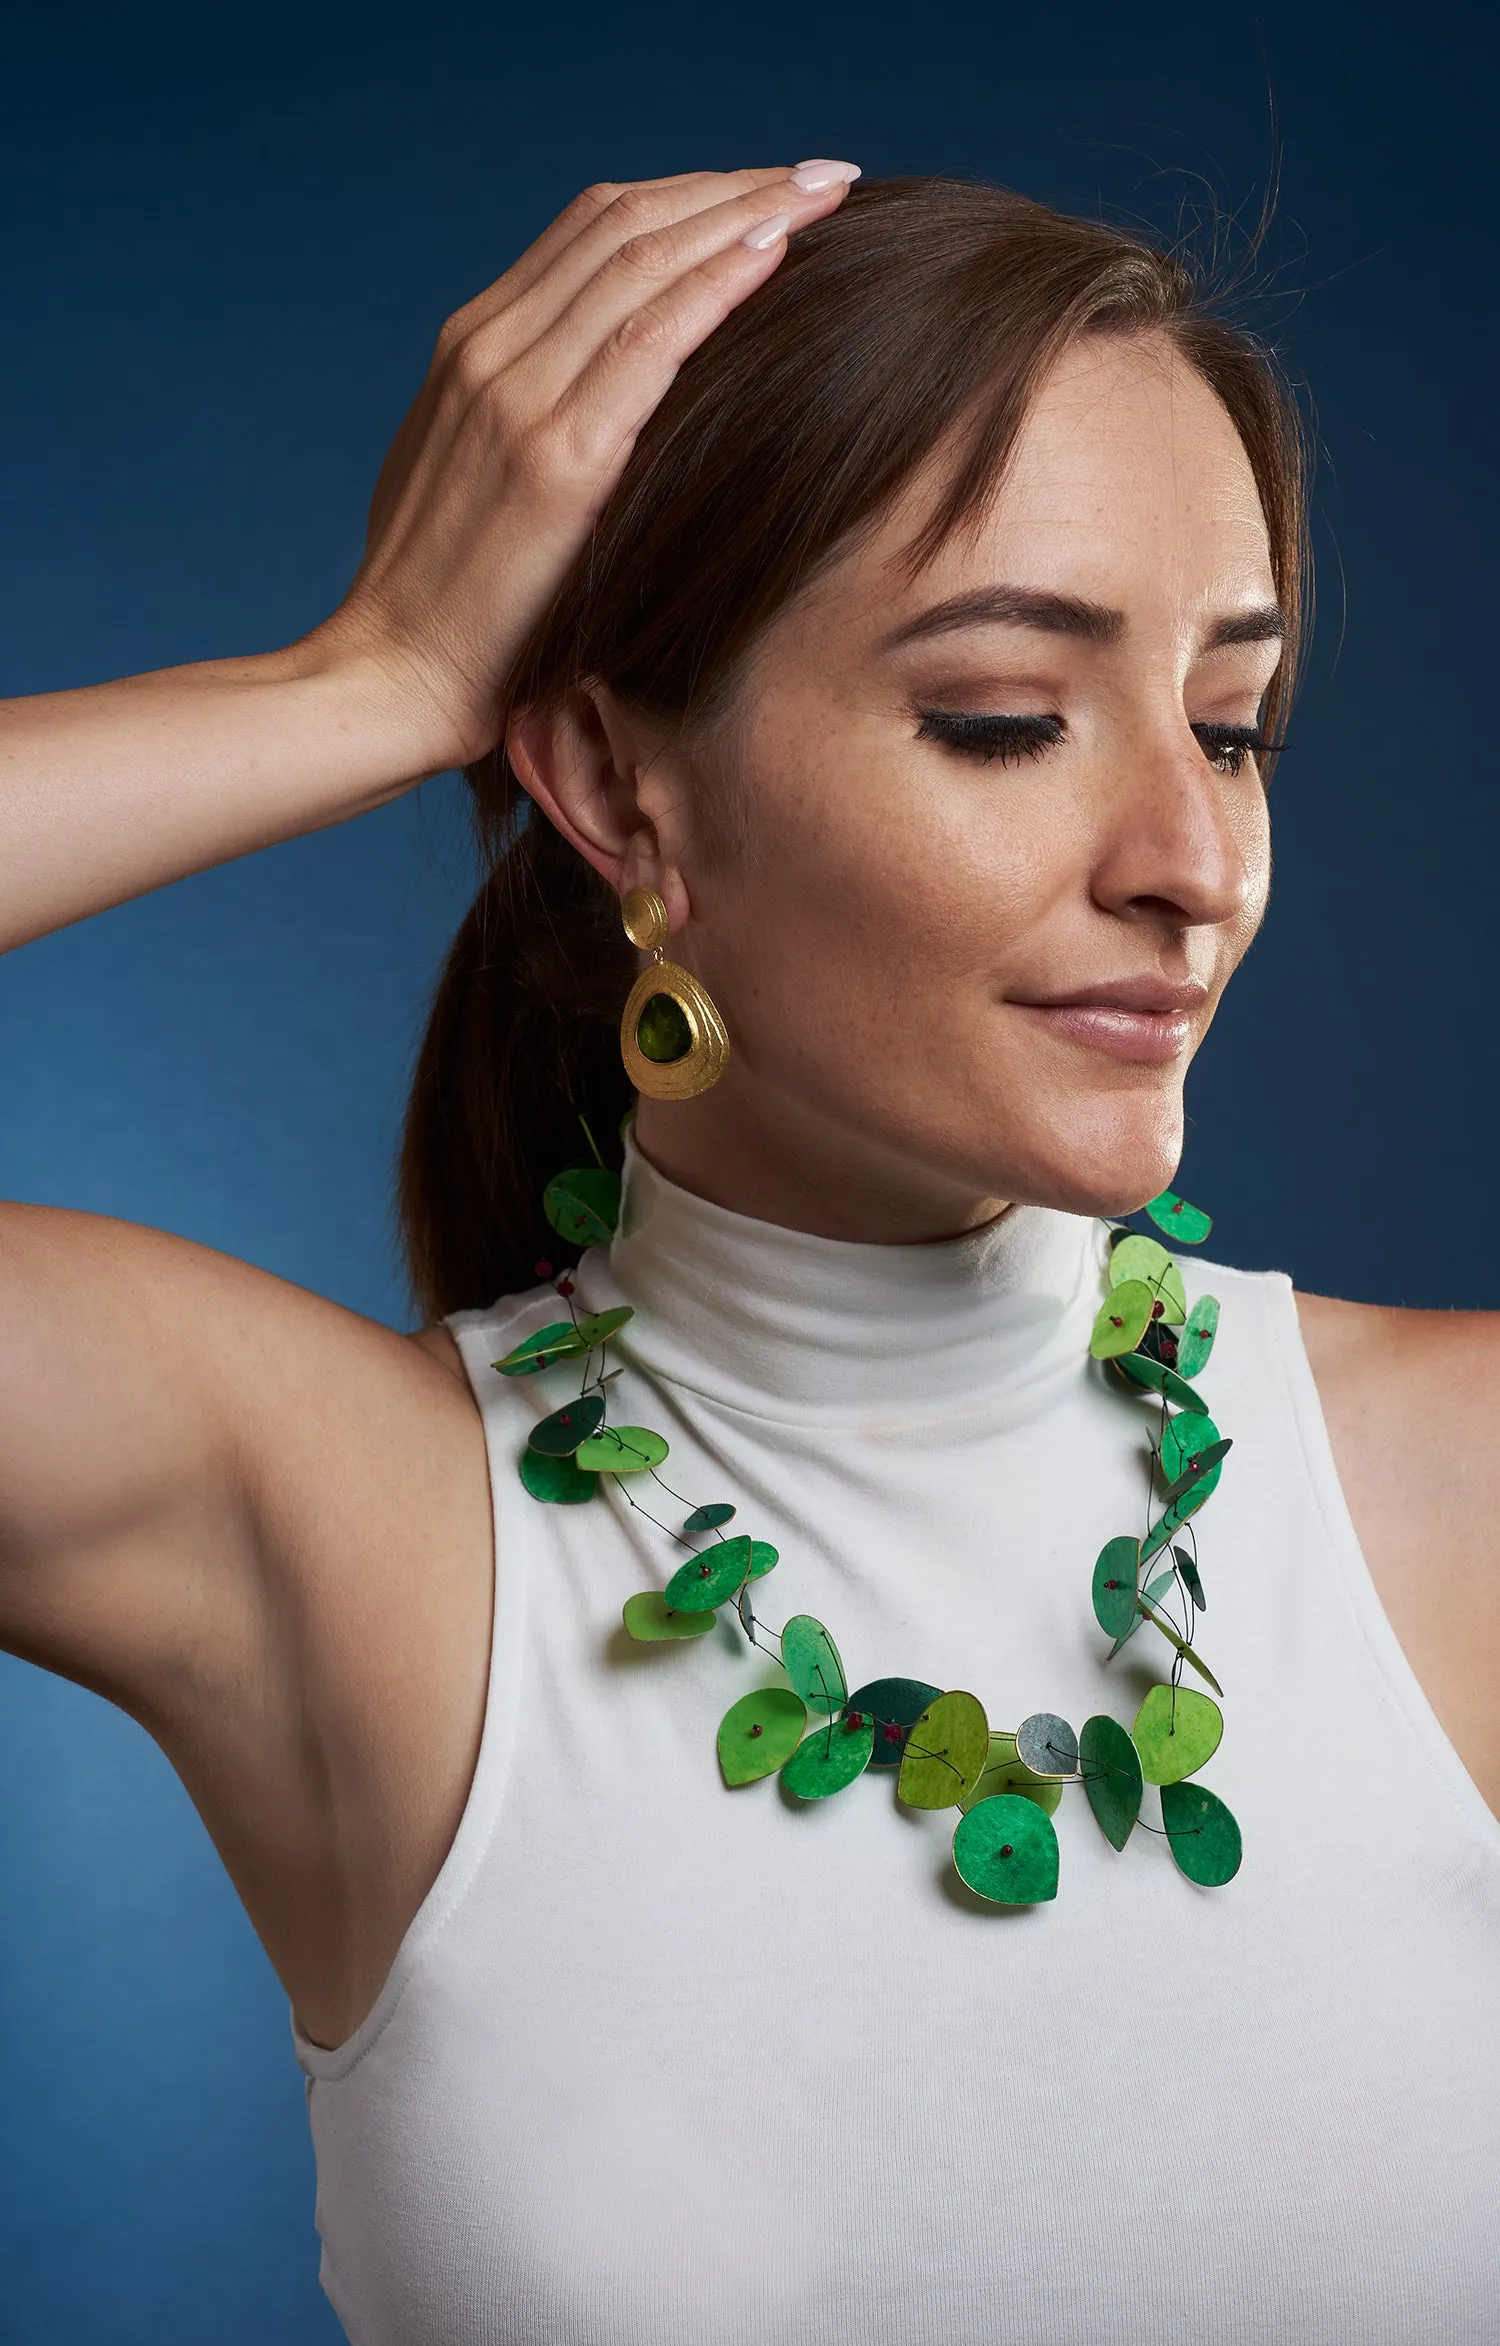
[(622, 1450), (1006, 1850), (1117, 1576), (1006, 1771), (704, 1582), (1197, 1339), (583, 1205), (1148, 1259), (759, 1733), (1124, 1317), (945, 1753), (557, 1341), (762, 1557), (1185, 1225), (650, 1618), (1111, 1769), (597, 1327), (828, 1759), (1176, 1733), (1141, 1369), (1202, 1834), (711, 1517), (1182, 1438), (557, 1480), (1180, 1645), (811, 1661)]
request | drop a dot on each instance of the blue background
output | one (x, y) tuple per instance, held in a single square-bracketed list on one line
[(231, 236)]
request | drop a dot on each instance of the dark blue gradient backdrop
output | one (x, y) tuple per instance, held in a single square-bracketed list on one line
[(231, 236)]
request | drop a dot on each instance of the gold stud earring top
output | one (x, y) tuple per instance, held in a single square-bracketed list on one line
[(645, 917)]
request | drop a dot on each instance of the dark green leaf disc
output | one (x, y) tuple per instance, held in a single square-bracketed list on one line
[(1006, 1850), (1176, 1732), (1006, 1771), (759, 1733), (583, 1205), (1158, 1378), (762, 1557), (597, 1327), (650, 1618), (559, 1341), (1185, 1225), (662, 1030), (704, 1582), (893, 1704), (710, 1518), (560, 1481), (1124, 1317), (1198, 1468), (1111, 1770), (828, 1759), (1117, 1576), (1197, 1339), (1201, 1834), (561, 1434), (1148, 1259), (811, 1661), (622, 1450), (1047, 1744), (1184, 1439), (1190, 1578), (946, 1751)]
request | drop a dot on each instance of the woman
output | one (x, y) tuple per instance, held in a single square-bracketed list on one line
[(899, 622)]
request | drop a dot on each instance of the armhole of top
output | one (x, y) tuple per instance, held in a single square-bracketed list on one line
[(1408, 1696), (478, 1335)]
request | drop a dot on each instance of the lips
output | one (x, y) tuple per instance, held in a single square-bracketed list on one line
[(1146, 1019)]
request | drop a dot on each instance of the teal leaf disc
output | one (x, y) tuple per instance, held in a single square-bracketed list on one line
[(1047, 1744), (811, 1661), (1176, 1732), (558, 1341), (622, 1450), (705, 1581), (762, 1557), (893, 1703), (710, 1518), (1148, 1260), (583, 1205), (1201, 1834), (561, 1434), (759, 1733), (829, 1758), (597, 1327), (945, 1754), (1124, 1317), (1005, 1848), (649, 1618), (1197, 1339), (559, 1481), (1112, 1780), (1117, 1576), (1184, 1438), (1185, 1225), (1141, 1369), (1006, 1771)]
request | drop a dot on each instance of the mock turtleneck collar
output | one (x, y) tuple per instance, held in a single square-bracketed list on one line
[(787, 1325)]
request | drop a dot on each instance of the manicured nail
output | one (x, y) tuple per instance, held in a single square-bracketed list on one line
[(810, 178), (768, 233)]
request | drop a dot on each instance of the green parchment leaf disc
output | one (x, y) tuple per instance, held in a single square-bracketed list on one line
[(1185, 1225), (1153, 1590), (811, 1661), (1180, 1645), (891, 1703), (1047, 1744), (704, 1581), (828, 1759), (1199, 1468), (1176, 1733), (557, 1341), (946, 1750), (1197, 1339), (559, 1481), (1172, 1520), (622, 1450), (1006, 1771), (1141, 1369), (1183, 1438), (1201, 1834), (561, 1434), (762, 1557), (1124, 1317), (650, 1619), (1148, 1260), (1006, 1850), (597, 1327), (1190, 1578), (710, 1518), (583, 1205), (1112, 1779), (746, 1611), (759, 1733), (1116, 1578)]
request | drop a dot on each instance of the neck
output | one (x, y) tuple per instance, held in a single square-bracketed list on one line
[(780, 1161)]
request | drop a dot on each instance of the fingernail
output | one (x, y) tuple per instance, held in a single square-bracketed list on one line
[(768, 233), (809, 178)]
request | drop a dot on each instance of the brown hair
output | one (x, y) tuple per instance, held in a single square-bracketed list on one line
[(923, 313)]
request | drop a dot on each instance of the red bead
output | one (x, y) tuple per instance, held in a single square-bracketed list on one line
[(756, 1729), (564, 1286), (1157, 1309), (1115, 1323), (542, 1270), (891, 1734)]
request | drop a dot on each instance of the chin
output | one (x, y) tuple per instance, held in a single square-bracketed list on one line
[(1106, 1162)]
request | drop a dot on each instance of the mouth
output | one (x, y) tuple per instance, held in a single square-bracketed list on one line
[(1147, 1019)]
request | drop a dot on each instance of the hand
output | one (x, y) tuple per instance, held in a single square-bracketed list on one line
[(530, 409)]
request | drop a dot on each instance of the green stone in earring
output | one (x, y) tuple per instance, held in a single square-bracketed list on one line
[(663, 1032)]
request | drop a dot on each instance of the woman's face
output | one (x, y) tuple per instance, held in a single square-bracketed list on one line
[(997, 843)]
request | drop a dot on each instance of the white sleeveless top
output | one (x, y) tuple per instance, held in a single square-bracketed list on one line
[(661, 2064)]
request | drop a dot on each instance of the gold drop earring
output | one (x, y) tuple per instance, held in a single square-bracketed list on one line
[(672, 1038)]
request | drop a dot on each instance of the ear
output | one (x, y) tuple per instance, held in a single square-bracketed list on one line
[(585, 762)]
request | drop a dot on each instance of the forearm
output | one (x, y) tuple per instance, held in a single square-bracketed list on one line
[(118, 788)]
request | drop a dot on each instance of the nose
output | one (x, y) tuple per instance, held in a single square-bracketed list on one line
[(1185, 846)]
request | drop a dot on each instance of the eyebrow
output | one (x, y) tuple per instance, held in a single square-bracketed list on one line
[(1095, 623)]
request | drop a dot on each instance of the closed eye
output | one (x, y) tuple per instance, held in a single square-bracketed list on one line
[(986, 737), (1226, 747)]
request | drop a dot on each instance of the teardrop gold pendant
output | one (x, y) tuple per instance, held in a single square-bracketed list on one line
[(672, 1038)]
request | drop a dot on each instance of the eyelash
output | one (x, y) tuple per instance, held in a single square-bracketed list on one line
[(1010, 739)]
